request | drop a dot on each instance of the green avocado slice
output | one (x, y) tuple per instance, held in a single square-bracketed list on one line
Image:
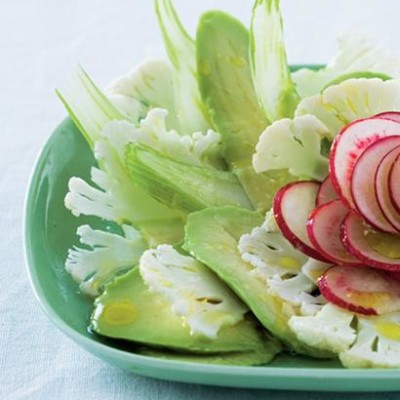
[(262, 356), (227, 90), (128, 310), (160, 231), (226, 85), (212, 237)]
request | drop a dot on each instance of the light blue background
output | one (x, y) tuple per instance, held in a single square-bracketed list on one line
[(40, 42)]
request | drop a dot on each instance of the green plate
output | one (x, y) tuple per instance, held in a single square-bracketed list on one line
[(50, 231)]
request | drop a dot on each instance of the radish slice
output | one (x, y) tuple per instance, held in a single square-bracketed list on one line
[(362, 290), (326, 192), (292, 206), (375, 249), (363, 183), (393, 275), (393, 115), (323, 228), (349, 145), (394, 186), (382, 189)]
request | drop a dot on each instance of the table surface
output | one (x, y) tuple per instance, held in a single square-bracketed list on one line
[(40, 42)]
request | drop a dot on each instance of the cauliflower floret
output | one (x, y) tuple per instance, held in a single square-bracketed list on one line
[(269, 252), (350, 100), (293, 289), (108, 253), (293, 144), (288, 274), (377, 344), (195, 149), (115, 197), (330, 329), (356, 53), (195, 293), (148, 85)]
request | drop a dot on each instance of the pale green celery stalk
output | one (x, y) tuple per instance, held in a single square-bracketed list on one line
[(271, 75), (181, 51), (88, 107), (91, 110), (182, 186)]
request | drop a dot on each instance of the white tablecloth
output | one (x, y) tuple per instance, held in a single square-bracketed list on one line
[(40, 42)]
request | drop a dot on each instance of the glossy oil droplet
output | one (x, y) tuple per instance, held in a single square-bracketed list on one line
[(120, 313)]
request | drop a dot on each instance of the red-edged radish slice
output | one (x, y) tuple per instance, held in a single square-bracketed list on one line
[(292, 206), (362, 290), (393, 115), (326, 192), (382, 189), (323, 228), (394, 184), (363, 183), (376, 249), (393, 275), (349, 144)]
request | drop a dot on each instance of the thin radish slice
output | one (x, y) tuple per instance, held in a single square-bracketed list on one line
[(326, 192), (363, 183), (362, 290), (393, 275), (394, 186), (323, 228), (393, 115), (376, 249), (292, 206), (349, 145), (382, 189)]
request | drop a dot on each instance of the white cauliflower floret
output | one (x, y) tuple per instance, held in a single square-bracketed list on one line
[(269, 252), (148, 85), (109, 199), (292, 289), (311, 305), (195, 149), (350, 100), (360, 341), (357, 53), (280, 265), (377, 344), (132, 109), (194, 291), (330, 329), (105, 255), (295, 145), (115, 197)]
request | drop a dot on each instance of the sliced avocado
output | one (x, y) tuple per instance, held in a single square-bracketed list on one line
[(227, 90), (212, 236), (128, 310), (226, 86), (260, 357), (161, 231), (261, 188)]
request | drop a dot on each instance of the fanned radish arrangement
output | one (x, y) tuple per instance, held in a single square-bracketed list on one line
[(352, 218)]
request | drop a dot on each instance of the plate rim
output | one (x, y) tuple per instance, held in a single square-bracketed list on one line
[(308, 374)]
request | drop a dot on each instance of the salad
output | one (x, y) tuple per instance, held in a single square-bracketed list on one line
[(252, 208)]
